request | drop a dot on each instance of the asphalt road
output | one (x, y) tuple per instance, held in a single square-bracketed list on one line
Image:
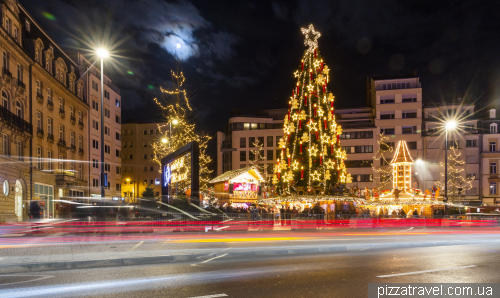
[(344, 274)]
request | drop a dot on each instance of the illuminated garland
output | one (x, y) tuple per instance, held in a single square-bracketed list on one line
[(176, 109)]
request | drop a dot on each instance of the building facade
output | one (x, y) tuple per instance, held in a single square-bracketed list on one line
[(235, 147), (16, 129), (138, 169), (112, 130)]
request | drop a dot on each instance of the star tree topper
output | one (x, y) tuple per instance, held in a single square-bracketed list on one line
[(311, 37)]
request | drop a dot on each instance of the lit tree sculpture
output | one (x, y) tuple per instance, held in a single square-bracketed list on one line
[(258, 158), (176, 109), (311, 155), (381, 163), (456, 177)]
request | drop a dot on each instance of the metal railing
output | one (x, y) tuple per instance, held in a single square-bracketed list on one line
[(15, 120)]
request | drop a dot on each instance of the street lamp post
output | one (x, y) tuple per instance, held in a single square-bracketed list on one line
[(449, 125), (102, 53)]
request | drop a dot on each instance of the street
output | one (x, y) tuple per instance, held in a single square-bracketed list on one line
[(340, 274)]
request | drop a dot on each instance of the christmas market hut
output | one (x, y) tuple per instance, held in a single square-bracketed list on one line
[(238, 188)]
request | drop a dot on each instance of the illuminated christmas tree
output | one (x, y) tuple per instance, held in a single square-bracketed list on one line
[(179, 131), (311, 155)]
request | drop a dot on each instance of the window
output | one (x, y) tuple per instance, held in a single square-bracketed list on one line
[(20, 72), (243, 156), (493, 188), (278, 153), (453, 144), (80, 170), (151, 169), (118, 187), (39, 121), (278, 138), (471, 143), (145, 169), (95, 144), (95, 183), (61, 132), (118, 170), (470, 176), (39, 157), (107, 131), (145, 132), (413, 99), (49, 126), (117, 136), (95, 124), (157, 181), (386, 101), (493, 146), (357, 135), (6, 60), (7, 25), (493, 113), (80, 117), (251, 155), (362, 178), (72, 138), (145, 156), (269, 154), (61, 104), (95, 105), (27, 24), (61, 162), (49, 95), (106, 94), (270, 141), (493, 167), (107, 149), (243, 142), (151, 156), (106, 113), (19, 147), (409, 114), (19, 109), (80, 142), (358, 163), (5, 100), (409, 129), (145, 144), (72, 111), (131, 156), (117, 119), (49, 160), (261, 141), (387, 115), (117, 102), (118, 153), (151, 131), (251, 142), (38, 87), (387, 131), (95, 86), (493, 128), (358, 149), (107, 167), (412, 145), (95, 163)]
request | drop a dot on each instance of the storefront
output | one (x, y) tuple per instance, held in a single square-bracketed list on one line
[(44, 198)]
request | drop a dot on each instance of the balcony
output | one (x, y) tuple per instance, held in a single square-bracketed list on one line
[(50, 138), (15, 121), (50, 104), (80, 151), (73, 148), (39, 133), (21, 86), (62, 113), (61, 143), (39, 97), (64, 177), (7, 75), (80, 124), (72, 119)]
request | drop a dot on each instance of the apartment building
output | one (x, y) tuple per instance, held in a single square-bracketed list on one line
[(234, 148), (16, 129), (138, 169), (112, 130), (58, 112), (490, 156)]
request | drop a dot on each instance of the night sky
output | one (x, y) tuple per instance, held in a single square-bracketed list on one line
[(241, 54)]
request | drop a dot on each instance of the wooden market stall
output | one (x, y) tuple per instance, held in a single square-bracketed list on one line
[(238, 187)]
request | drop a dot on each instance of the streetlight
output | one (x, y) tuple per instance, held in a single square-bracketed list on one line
[(133, 189), (451, 124), (102, 53)]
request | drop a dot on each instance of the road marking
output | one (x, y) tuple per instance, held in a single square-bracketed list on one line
[(221, 228), (427, 271), (24, 281), (410, 229), (238, 239), (206, 261), (211, 296), (136, 246), (12, 235)]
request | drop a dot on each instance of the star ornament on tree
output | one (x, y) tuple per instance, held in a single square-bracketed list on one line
[(310, 88), (311, 37), (295, 165), (313, 151), (316, 176), (330, 164)]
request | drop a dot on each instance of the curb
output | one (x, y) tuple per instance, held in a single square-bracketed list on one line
[(68, 265)]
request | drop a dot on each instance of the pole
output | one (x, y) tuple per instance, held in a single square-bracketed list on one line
[(170, 135), (446, 169), (102, 137)]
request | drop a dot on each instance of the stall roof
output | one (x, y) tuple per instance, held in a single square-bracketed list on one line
[(402, 154), (235, 173)]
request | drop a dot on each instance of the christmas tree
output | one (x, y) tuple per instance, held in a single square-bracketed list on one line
[(311, 156)]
